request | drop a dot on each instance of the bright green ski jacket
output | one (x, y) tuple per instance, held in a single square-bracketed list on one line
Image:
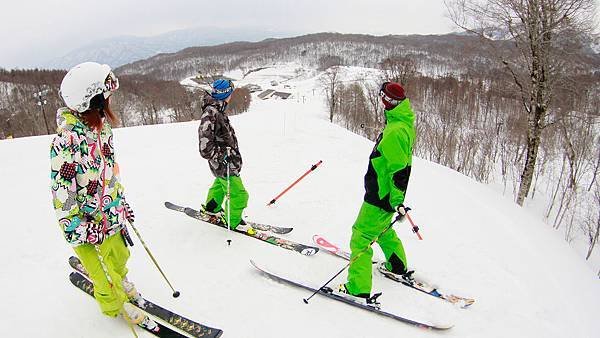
[(390, 162)]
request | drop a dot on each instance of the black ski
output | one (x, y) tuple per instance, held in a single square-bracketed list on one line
[(86, 286), (188, 326), (274, 240), (258, 226), (328, 292)]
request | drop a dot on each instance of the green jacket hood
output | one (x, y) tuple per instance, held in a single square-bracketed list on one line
[(401, 112)]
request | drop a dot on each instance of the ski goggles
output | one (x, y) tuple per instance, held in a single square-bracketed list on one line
[(111, 84)]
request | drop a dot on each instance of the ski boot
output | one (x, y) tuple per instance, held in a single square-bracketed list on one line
[(135, 316), (406, 277), (132, 294), (363, 298), (214, 217), (243, 227)]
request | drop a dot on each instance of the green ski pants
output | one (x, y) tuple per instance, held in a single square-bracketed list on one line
[(114, 253), (371, 221), (239, 197)]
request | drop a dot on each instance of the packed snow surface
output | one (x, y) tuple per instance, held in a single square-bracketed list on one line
[(527, 282)]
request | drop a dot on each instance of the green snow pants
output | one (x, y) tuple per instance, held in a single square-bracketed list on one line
[(369, 224), (114, 254), (239, 198)]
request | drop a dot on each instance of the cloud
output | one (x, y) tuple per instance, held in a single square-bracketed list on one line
[(32, 31)]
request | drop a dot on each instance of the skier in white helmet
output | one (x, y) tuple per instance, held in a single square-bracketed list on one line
[(87, 195)]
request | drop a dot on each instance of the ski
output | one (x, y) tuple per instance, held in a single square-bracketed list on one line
[(274, 240), (329, 247), (86, 286), (328, 292), (188, 326), (411, 282), (426, 288), (255, 225)]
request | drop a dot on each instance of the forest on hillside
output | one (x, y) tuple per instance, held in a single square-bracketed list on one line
[(471, 116)]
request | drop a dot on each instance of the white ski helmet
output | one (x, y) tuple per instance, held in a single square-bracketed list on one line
[(85, 81)]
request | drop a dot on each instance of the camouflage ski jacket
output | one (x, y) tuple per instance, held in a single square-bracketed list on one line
[(87, 196), (215, 135)]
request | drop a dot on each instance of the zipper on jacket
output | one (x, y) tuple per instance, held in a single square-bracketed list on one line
[(103, 177)]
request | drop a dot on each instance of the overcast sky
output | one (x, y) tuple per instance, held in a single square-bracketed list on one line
[(32, 31)]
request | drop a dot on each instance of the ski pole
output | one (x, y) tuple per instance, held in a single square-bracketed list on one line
[(415, 228), (137, 233), (110, 281), (298, 180), (353, 259), (228, 198)]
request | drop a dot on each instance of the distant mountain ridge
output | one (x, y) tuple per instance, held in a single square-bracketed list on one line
[(122, 50), (435, 54)]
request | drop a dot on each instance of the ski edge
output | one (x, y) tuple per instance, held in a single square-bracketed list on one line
[(85, 285), (283, 243), (256, 225), (417, 324), (462, 302), (189, 324)]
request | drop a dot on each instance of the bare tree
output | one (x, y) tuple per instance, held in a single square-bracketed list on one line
[(331, 82), (592, 224), (328, 61), (399, 69), (538, 30)]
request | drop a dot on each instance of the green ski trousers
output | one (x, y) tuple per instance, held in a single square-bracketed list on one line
[(114, 253), (371, 221), (239, 197)]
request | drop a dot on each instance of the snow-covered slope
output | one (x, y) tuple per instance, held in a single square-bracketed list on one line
[(527, 281)]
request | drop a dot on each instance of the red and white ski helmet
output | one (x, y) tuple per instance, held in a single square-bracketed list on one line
[(85, 81)]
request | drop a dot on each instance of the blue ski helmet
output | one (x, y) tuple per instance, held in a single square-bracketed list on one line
[(221, 89)]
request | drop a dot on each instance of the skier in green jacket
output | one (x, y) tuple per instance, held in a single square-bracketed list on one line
[(386, 181)]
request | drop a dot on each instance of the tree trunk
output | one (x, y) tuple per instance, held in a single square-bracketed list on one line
[(534, 132)]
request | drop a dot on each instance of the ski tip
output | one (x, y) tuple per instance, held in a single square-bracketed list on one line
[(441, 327), (255, 265), (74, 276)]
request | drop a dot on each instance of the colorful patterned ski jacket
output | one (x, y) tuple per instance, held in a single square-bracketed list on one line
[(215, 134), (390, 162), (87, 196)]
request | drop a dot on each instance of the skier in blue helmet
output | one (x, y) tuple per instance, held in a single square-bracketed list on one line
[(219, 145)]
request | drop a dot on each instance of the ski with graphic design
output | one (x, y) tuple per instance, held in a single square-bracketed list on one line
[(328, 292), (404, 280), (86, 286), (188, 326), (277, 241), (257, 226), (329, 247)]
